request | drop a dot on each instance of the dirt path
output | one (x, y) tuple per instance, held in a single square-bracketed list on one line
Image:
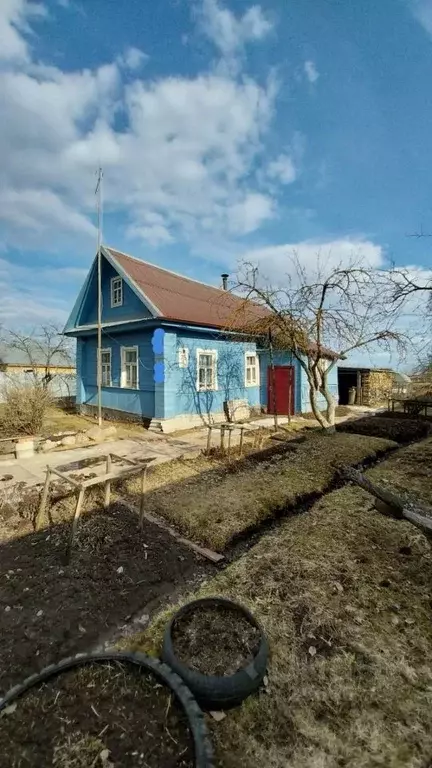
[(49, 610)]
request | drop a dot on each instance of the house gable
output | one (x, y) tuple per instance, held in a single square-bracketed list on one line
[(132, 307)]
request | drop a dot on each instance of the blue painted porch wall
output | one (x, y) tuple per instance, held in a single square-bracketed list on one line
[(139, 401), (131, 309), (180, 386)]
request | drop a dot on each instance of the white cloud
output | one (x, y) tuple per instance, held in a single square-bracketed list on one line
[(14, 21), (230, 33), (311, 71), (248, 215), (275, 261), (183, 163), (282, 169), (32, 297), (422, 11), (133, 58)]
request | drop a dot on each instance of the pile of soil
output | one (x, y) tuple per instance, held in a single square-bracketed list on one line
[(215, 640), (102, 715), (401, 430), (50, 609)]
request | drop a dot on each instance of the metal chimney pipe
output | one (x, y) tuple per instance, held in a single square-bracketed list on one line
[(224, 277)]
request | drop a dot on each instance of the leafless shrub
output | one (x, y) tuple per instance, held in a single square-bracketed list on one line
[(24, 406)]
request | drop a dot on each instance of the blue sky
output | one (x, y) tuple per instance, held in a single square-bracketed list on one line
[(226, 130)]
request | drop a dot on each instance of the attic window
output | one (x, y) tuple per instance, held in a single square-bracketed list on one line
[(116, 292)]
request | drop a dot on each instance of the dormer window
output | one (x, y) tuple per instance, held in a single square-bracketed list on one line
[(116, 292)]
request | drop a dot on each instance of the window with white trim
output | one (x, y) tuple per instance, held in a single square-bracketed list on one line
[(183, 357), (116, 292), (206, 370), (129, 367), (251, 369), (106, 367)]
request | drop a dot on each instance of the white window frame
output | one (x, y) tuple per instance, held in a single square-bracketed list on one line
[(255, 383), (123, 367), (183, 357), (116, 292), (106, 351), (213, 354)]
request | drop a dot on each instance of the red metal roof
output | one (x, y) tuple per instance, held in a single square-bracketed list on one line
[(188, 301), (182, 299)]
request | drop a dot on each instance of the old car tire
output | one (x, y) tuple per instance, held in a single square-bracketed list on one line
[(214, 692), (202, 744)]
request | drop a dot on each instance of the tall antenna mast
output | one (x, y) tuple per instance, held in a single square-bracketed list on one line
[(99, 202)]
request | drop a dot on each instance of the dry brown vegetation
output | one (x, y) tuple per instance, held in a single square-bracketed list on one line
[(218, 505), (344, 595)]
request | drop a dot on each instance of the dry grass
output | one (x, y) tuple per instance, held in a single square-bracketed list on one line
[(408, 471), (218, 505), (347, 614)]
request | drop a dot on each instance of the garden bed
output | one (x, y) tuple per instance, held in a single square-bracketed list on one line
[(100, 714), (49, 609), (219, 505), (215, 641), (344, 595), (389, 426)]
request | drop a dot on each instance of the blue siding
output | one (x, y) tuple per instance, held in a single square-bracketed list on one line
[(139, 401), (332, 384), (180, 391), (131, 309)]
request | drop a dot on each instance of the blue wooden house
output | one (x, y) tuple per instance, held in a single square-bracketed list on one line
[(167, 356)]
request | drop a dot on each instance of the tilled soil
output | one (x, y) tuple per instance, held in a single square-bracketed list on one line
[(390, 426), (49, 609), (105, 714), (215, 641)]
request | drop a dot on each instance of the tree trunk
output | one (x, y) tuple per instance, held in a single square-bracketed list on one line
[(331, 404), (321, 419)]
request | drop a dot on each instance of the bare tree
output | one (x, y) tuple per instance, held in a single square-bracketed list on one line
[(43, 349), (320, 318)]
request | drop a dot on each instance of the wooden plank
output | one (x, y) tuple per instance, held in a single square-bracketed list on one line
[(143, 485), (215, 557), (43, 501), (76, 516), (107, 482), (111, 476), (116, 457), (65, 477)]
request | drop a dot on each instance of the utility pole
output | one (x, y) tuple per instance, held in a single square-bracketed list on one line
[(98, 193)]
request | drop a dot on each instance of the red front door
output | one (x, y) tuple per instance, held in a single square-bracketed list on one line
[(284, 389)]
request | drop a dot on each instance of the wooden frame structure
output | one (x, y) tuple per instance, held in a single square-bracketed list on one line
[(80, 487), (223, 428)]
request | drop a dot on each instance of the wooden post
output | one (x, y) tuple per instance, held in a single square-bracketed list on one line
[(43, 501), (79, 504), (229, 442), (143, 485), (209, 439), (222, 438), (108, 483), (241, 441), (273, 382)]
